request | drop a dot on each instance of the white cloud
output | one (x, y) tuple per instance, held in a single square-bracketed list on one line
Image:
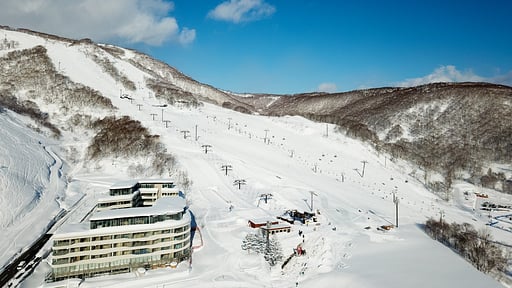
[(448, 73), (505, 79), (187, 36), (327, 87), (241, 10), (132, 21)]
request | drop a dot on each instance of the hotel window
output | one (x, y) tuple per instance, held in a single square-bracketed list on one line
[(60, 252), (60, 261), (60, 242)]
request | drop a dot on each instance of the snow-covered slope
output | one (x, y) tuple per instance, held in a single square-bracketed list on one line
[(289, 157), (30, 177)]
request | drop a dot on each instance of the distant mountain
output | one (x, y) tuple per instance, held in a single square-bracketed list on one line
[(451, 130), (456, 130)]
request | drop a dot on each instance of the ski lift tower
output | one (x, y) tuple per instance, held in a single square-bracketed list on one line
[(312, 193), (396, 201)]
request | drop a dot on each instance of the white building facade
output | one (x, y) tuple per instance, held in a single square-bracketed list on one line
[(121, 240)]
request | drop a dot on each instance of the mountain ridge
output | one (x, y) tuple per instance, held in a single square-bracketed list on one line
[(466, 124)]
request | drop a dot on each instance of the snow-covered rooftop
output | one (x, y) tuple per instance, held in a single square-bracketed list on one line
[(130, 183), (155, 181), (164, 205), (70, 230), (124, 184), (263, 220)]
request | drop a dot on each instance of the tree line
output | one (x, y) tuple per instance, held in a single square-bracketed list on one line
[(477, 247)]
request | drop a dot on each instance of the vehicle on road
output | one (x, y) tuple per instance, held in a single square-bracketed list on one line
[(21, 265)]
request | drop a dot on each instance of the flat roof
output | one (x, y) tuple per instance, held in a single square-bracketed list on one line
[(164, 205), (156, 181), (133, 182), (124, 184), (76, 230), (263, 220)]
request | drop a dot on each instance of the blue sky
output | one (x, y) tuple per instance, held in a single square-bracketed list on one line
[(293, 46)]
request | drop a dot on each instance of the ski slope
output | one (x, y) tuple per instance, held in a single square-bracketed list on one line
[(32, 185), (289, 157), (348, 256)]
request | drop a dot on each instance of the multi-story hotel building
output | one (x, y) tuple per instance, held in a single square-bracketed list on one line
[(121, 240)]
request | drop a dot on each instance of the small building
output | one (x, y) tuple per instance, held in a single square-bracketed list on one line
[(275, 228), (291, 216), (256, 223)]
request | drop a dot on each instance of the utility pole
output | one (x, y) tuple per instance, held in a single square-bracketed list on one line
[(396, 201), (196, 133), (226, 168), (364, 165), (162, 114), (312, 193), (153, 115), (268, 235), (166, 123), (441, 214), (229, 123), (266, 196), (206, 147), (326, 130), (139, 105), (185, 133), (265, 139), (239, 182)]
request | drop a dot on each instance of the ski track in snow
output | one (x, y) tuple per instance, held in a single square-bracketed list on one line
[(31, 185)]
